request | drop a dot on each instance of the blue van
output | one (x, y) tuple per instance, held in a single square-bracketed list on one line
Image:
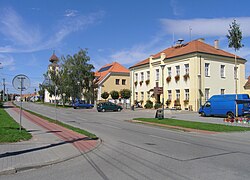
[(224, 105)]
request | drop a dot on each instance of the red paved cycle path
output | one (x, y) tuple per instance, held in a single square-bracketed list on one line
[(80, 141)]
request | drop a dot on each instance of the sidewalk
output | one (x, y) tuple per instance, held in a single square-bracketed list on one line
[(50, 144)]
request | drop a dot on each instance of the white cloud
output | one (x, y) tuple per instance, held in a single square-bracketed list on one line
[(7, 62), (23, 37), (14, 29), (205, 27), (175, 5), (70, 13)]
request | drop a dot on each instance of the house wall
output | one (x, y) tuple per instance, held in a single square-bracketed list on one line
[(197, 83), (110, 84)]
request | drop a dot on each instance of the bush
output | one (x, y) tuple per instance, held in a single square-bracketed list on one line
[(157, 105), (149, 104)]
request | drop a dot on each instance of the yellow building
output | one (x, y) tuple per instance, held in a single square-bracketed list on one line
[(189, 73), (111, 77)]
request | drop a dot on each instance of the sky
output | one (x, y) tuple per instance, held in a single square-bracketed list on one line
[(125, 31)]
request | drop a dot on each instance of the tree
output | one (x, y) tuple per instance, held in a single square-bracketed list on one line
[(105, 95), (73, 77), (234, 41), (114, 94), (125, 93)]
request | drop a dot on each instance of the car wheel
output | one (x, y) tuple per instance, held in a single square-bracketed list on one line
[(74, 107), (230, 115), (203, 114), (103, 110)]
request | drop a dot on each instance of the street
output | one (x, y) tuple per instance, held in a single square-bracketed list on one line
[(137, 151)]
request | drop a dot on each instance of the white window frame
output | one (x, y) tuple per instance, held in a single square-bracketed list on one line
[(142, 96), (178, 93), (136, 77), (186, 68), (207, 91), (222, 71), (169, 94), (157, 74), (186, 94), (142, 76), (148, 75), (148, 93), (169, 71), (177, 70), (207, 69)]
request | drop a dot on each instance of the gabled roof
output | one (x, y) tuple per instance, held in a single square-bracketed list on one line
[(247, 85), (195, 46), (114, 67)]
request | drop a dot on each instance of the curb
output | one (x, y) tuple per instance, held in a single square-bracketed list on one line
[(175, 127), (40, 165)]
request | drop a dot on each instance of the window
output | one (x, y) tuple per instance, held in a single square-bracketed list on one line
[(177, 70), (235, 72), (136, 96), (186, 94), (142, 96), (136, 77), (142, 76), (169, 95), (222, 91), (157, 74), (124, 82), (207, 73), (148, 75), (117, 81), (148, 93), (222, 71), (169, 71), (206, 94), (177, 94), (186, 68)]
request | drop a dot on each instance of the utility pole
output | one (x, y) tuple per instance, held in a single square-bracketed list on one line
[(3, 89)]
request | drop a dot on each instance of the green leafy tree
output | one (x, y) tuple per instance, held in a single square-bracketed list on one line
[(105, 95), (114, 94), (234, 41), (125, 93)]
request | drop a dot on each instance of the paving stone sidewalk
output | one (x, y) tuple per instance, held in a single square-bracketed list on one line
[(50, 144)]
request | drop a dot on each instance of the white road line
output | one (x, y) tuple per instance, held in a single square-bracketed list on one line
[(173, 140)]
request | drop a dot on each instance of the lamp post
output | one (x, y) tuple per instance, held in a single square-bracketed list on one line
[(162, 68), (78, 83)]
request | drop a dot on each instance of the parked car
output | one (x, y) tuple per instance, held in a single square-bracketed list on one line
[(108, 106), (82, 104), (225, 105)]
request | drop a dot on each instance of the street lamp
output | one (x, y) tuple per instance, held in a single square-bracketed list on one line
[(78, 83), (162, 68)]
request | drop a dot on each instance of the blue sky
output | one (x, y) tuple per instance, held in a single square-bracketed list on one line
[(126, 31)]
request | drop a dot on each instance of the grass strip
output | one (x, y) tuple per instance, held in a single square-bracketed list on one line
[(81, 131), (53, 105), (9, 129), (195, 125)]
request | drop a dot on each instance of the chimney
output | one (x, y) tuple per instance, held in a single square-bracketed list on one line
[(201, 40), (216, 44)]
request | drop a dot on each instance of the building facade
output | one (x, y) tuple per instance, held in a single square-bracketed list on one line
[(111, 77), (190, 73)]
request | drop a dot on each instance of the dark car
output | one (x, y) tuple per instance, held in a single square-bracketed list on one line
[(108, 106), (82, 104)]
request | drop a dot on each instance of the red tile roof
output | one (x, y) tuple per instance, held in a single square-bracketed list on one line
[(53, 58), (247, 85), (114, 67), (191, 47)]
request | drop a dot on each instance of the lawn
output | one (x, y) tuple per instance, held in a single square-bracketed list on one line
[(195, 125), (9, 129)]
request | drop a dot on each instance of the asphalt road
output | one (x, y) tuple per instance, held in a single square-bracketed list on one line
[(136, 151)]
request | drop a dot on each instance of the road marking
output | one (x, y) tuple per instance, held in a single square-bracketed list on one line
[(173, 140), (111, 126)]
